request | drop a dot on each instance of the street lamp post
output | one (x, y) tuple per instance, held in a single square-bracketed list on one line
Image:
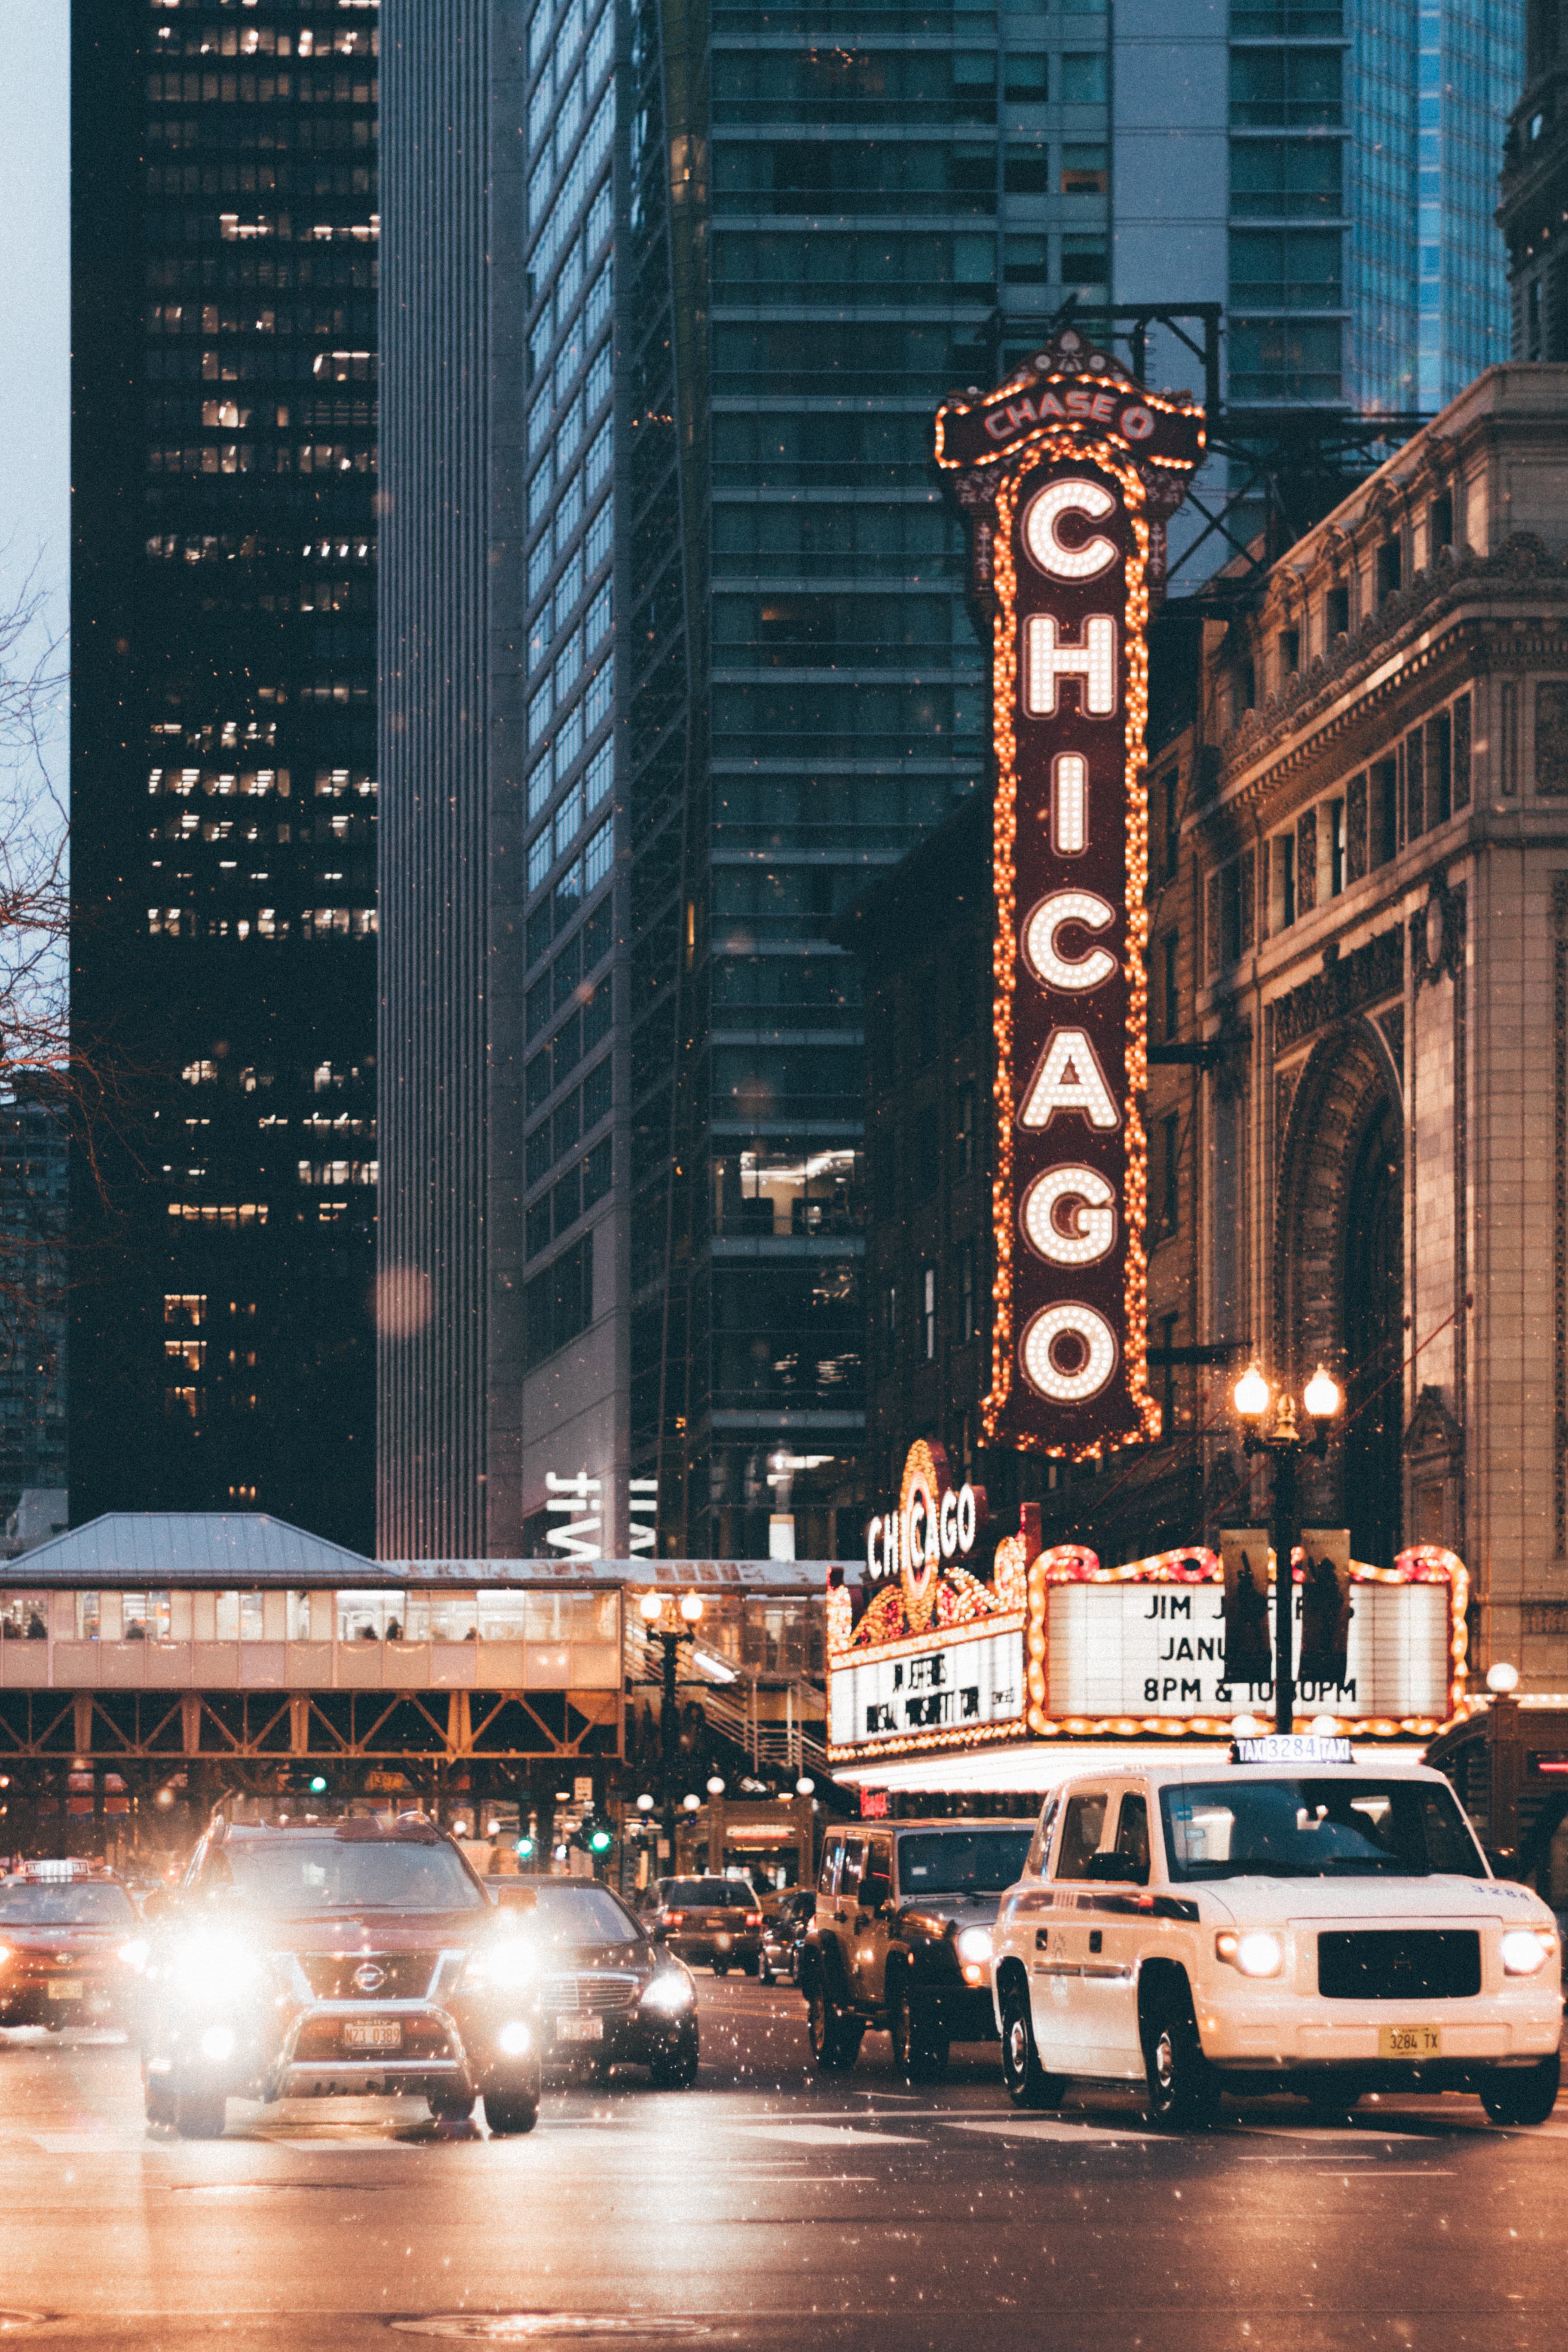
[(651, 1609), (1284, 1444)]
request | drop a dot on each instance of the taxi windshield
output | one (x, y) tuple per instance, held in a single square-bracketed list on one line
[(568, 1913), (28, 1901), (962, 1861), (317, 1874), (1296, 1828)]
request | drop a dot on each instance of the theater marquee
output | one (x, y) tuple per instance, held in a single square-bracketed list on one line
[(1067, 473), (927, 1655)]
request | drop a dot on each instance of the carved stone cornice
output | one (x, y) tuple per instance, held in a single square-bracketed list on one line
[(1347, 984), (1320, 692)]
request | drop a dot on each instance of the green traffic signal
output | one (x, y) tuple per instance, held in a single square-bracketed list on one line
[(526, 1848), (600, 1839), (317, 1786)]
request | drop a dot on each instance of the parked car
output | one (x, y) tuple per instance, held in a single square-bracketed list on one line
[(71, 1947), (900, 1938), (786, 1918), (609, 1995), (715, 1920), (337, 1960)]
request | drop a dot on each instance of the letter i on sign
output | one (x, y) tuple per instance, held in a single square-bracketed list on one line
[(1068, 471)]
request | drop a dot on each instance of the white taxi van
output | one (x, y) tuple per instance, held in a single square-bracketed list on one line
[(1291, 1920)]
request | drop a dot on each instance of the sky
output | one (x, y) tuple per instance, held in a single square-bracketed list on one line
[(34, 307)]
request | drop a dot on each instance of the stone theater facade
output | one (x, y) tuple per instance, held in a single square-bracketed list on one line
[(1357, 1099)]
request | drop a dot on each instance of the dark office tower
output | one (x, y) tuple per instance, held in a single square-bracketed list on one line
[(1534, 207), (223, 781), (33, 1351)]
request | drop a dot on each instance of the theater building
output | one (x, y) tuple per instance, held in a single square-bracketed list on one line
[(1357, 1105)]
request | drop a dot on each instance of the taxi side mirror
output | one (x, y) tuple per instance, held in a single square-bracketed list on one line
[(660, 1931)]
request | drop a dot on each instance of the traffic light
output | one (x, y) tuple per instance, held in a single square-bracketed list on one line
[(317, 1784), (601, 1837), (527, 1846)]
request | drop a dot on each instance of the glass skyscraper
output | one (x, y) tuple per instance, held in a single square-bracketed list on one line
[(676, 652)]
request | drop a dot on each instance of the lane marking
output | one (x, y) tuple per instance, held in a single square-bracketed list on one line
[(829, 2135), (1046, 2127)]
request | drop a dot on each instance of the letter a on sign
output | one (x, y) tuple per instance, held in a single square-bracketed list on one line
[(1067, 473)]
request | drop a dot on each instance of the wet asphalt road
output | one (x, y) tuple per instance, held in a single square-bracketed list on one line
[(768, 2209)]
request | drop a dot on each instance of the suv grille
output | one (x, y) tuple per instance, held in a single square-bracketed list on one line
[(403, 1976), (1400, 1964), (587, 1996)]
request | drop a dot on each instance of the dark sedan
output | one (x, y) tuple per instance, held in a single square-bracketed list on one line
[(714, 1920), (608, 1995)]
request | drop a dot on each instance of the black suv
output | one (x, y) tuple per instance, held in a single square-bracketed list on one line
[(902, 1938), (338, 1958)]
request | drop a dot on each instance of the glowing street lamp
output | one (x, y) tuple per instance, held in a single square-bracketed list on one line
[(1285, 1444)]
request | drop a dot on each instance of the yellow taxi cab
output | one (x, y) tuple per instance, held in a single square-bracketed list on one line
[(1292, 1921), (71, 1947)]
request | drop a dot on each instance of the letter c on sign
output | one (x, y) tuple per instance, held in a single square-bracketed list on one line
[(873, 1549), (1043, 513), (1045, 959)]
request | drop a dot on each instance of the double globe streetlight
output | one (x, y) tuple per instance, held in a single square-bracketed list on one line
[(653, 1611), (1285, 1444)]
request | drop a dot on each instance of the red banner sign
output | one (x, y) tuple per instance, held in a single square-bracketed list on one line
[(1067, 473)]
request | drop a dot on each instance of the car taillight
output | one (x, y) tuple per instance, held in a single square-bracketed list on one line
[(754, 1919), (674, 1919)]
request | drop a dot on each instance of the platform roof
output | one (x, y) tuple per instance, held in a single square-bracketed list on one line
[(226, 1550)]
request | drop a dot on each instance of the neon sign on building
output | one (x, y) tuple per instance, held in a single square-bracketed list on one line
[(1067, 473)]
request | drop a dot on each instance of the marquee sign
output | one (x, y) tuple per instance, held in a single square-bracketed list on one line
[(1068, 472), (1055, 1646)]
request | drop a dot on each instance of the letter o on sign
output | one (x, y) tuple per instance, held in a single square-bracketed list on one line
[(1089, 1338), (1136, 424)]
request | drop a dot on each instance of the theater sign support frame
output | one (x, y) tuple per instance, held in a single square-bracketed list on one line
[(1067, 473)]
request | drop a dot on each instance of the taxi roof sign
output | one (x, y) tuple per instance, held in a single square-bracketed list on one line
[(1291, 1748)]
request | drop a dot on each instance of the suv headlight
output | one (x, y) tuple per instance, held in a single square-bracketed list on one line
[(211, 1967), (975, 1944), (1255, 1954), (504, 1964), (1526, 1950)]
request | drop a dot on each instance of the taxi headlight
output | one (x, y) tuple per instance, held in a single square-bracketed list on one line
[(974, 1943), (134, 1953), (1258, 1954), (1525, 1951), (505, 1965), (213, 1966), (669, 1993)]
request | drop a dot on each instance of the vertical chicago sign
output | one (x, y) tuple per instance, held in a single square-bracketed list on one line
[(1067, 473)]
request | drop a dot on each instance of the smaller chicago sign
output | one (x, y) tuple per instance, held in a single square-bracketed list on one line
[(1067, 473)]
